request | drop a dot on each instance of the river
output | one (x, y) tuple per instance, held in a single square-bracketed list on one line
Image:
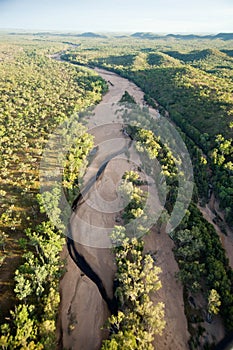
[(84, 306)]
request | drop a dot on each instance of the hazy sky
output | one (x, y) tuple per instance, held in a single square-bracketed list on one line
[(118, 15)]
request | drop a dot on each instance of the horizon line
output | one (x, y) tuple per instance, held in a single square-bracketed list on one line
[(71, 31)]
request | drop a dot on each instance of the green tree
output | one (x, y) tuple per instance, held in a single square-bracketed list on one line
[(214, 302)]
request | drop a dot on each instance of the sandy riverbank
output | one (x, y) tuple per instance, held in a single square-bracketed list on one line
[(83, 311)]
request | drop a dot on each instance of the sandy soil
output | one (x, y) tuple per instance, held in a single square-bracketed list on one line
[(83, 312), (176, 333), (227, 240)]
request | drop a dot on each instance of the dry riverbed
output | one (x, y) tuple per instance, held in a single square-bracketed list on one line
[(83, 311)]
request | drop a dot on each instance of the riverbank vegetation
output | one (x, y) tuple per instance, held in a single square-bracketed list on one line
[(37, 94), (191, 83), (139, 318), (198, 249)]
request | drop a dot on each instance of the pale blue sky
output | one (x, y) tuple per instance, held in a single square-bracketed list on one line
[(209, 16)]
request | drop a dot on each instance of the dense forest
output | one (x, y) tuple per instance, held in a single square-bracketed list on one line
[(190, 82)]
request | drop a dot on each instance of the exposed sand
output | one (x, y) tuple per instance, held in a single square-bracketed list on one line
[(227, 240), (176, 333), (83, 312)]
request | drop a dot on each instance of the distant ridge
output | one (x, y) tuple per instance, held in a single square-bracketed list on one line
[(91, 35), (224, 36), (84, 35), (143, 35), (139, 35), (221, 36)]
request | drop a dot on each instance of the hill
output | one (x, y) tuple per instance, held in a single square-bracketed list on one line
[(91, 35), (221, 36)]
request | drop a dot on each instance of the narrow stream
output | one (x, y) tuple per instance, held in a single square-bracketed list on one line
[(83, 265), (78, 259)]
